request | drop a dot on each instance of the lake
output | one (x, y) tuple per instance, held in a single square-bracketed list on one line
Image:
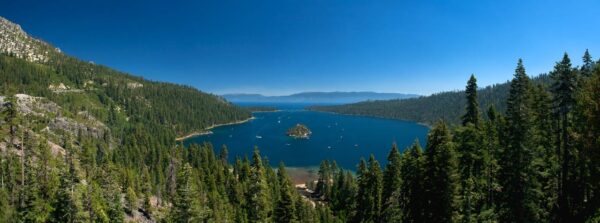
[(342, 138)]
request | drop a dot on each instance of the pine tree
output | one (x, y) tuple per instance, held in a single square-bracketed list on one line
[(546, 164), (112, 190), (285, 210), (325, 215), (363, 199), (306, 212), (187, 206), (11, 116), (7, 211), (473, 114), (132, 200), (96, 204), (147, 192), (471, 157), (368, 197), (440, 175), (259, 208), (66, 206), (563, 89), (587, 126), (391, 184), (343, 195), (375, 187), (520, 187), (412, 192), (30, 207), (40, 184), (493, 130), (223, 155), (588, 65), (324, 182)]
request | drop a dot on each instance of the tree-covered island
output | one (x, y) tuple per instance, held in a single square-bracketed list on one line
[(299, 131)]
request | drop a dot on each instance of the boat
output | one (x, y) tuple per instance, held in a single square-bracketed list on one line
[(259, 137)]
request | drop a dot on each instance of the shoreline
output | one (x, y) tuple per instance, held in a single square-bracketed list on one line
[(278, 110), (375, 116), (207, 131)]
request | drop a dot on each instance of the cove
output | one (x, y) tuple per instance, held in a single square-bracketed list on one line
[(342, 138)]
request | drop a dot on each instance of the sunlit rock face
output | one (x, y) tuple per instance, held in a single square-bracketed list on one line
[(14, 41)]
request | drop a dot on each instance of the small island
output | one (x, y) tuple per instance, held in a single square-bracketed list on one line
[(299, 131)]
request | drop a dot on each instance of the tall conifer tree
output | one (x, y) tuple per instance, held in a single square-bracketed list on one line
[(363, 199), (186, 204), (375, 187), (391, 183), (588, 65), (520, 188), (285, 210), (440, 175), (588, 127), (412, 199), (258, 195), (563, 89), (472, 115)]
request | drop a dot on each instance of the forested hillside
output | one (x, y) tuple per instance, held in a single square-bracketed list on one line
[(68, 107), (536, 162), (82, 86), (429, 109)]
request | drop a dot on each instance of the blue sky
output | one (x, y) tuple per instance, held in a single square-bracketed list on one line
[(280, 46)]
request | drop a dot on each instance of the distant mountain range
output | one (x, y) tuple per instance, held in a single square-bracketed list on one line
[(319, 97)]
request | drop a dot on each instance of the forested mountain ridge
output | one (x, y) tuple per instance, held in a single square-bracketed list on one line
[(101, 90), (447, 106), (92, 119)]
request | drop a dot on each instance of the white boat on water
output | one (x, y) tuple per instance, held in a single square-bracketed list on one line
[(259, 137)]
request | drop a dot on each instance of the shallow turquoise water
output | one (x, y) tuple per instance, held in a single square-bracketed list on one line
[(342, 138)]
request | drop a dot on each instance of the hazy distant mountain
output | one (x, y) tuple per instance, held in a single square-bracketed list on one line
[(319, 97)]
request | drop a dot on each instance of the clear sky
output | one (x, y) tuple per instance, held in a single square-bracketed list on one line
[(280, 46)]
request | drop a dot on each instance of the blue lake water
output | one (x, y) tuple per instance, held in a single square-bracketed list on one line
[(342, 138)]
